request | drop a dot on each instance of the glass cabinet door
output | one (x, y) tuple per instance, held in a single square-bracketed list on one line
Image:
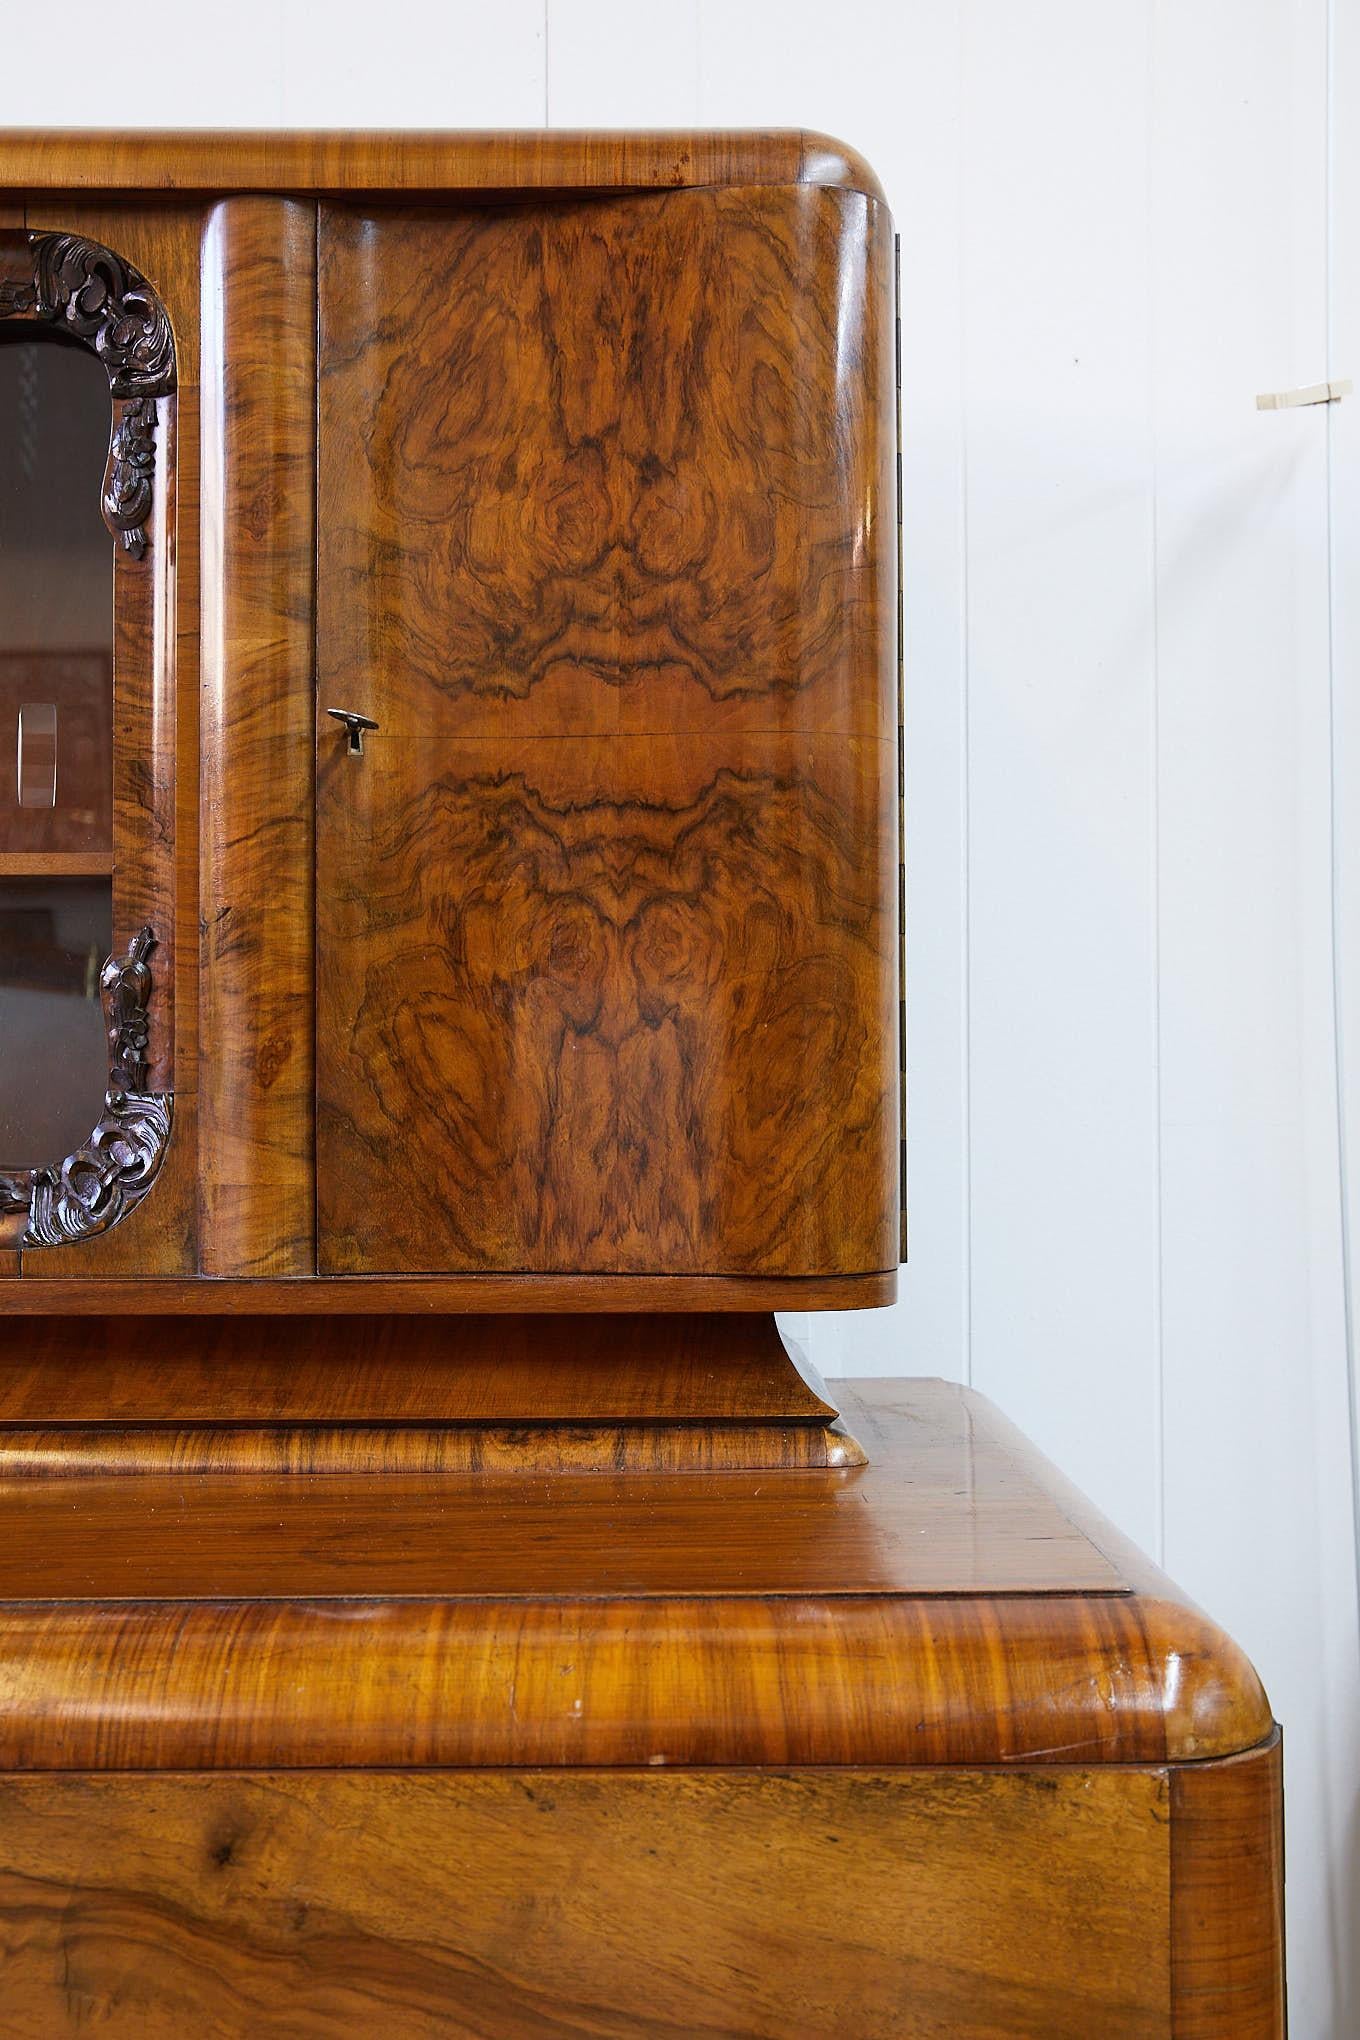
[(56, 737), (87, 375)]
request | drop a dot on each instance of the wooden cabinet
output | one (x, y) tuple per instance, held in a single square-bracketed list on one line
[(432, 1599), (583, 960)]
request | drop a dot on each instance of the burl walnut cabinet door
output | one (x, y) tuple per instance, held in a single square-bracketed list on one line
[(607, 907)]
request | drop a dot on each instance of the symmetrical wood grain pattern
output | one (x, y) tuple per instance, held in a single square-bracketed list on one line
[(618, 466), (256, 854), (566, 1024), (652, 1906), (447, 162), (605, 550), (936, 1606), (1227, 1897)]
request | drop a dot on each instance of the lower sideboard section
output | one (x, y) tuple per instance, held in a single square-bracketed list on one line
[(1051, 1902)]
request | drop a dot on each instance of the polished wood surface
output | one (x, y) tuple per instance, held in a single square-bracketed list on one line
[(751, 830), (412, 160), (606, 556), (807, 1906), (350, 1396), (936, 1606), (238, 1681), (1227, 1892), (376, 1294), (257, 1180), (696, 1366), (355, 1450)]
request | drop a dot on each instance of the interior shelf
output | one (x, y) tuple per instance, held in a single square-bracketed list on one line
[(56, 863)]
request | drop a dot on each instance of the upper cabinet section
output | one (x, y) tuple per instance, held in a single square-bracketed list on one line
[(482, 848)]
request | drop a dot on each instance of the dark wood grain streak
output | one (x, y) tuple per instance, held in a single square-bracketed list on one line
[(548, 1905), (410, 160), (257, 1190), (607, 914)]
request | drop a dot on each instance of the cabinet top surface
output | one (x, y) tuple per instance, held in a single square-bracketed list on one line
[(951, 1602), (415, 160), (948, 1505)]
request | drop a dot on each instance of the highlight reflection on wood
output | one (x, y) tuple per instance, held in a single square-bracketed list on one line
[(257, 1191)]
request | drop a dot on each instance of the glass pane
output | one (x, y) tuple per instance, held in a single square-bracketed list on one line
[(56, 743), (54, 937)]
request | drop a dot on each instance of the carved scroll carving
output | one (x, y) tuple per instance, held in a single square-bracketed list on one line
[(89, 292), (102, 1180)]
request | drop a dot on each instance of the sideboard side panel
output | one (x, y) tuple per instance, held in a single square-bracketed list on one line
[(1227, 1897)]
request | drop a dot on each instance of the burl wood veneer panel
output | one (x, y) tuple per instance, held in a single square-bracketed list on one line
[(607, 913), (612, 1006), (551, 1903), (257, 1194)]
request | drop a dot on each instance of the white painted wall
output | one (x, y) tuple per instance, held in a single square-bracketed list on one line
[(1126, 689)]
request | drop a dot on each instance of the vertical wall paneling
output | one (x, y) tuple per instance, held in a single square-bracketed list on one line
[(604, 54), (418, 63), (1062, 897), (1253, 1349), (257, 771), (281, 63), (1339, 1505)]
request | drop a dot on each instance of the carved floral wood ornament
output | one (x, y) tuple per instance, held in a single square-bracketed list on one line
[(85, 290), (101, 1181)]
